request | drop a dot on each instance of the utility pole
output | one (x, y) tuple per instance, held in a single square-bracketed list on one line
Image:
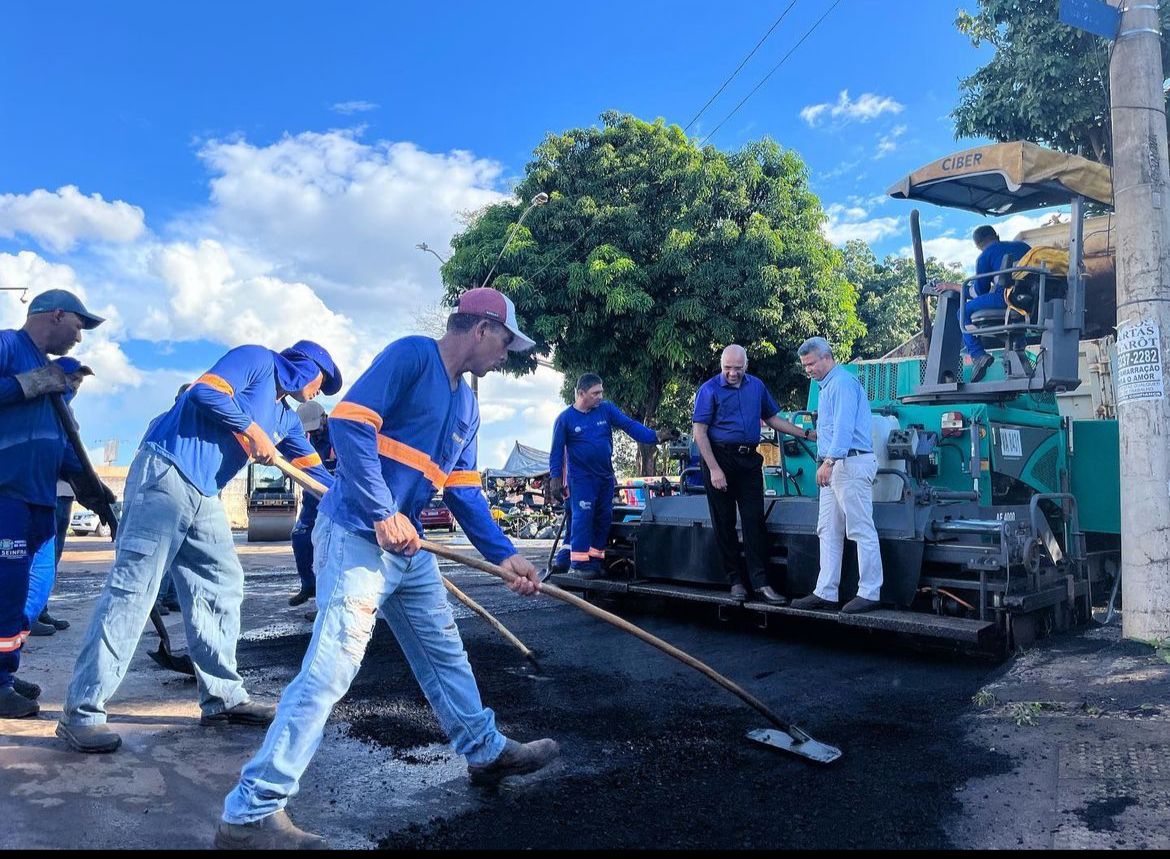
[(1140, 187)]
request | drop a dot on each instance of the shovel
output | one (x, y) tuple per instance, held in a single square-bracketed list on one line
[(89, 486)]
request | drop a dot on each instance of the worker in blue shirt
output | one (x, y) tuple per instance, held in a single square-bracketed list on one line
[(315, 422), (728, 411), (993, 252), (407, 427), (845, 474), (583, 436), (34, 451), (172, 518)]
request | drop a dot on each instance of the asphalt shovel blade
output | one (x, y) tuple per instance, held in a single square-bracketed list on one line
[(177, 662), (795, 743)]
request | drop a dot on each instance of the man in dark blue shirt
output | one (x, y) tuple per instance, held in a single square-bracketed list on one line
[(992, 255), (583, 442), (316, 425), (728, 412)]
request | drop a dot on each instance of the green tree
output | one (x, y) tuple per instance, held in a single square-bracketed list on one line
[(652, 254), (888, 302), (1047, 83)]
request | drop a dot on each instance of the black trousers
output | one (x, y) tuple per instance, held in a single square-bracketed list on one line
[(745, 491)]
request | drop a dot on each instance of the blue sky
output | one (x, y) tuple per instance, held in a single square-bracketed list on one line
[(223, 173)]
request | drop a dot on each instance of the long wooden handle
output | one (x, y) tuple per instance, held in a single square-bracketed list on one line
[(311, 484), (622, 624)]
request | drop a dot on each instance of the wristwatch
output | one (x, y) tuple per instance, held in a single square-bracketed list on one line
[(829, 461)]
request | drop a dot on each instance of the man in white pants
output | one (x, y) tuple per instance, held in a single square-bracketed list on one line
[(846, 474)]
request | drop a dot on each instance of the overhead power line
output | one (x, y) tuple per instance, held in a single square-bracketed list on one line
[(769, 74), (775, 24)]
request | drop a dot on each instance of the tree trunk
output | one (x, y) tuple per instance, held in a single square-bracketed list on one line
[(647, 414)]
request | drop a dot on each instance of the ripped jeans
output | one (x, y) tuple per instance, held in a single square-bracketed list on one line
[(356, 580)]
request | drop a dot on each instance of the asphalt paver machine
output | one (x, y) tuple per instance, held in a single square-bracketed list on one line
[(998, 508)]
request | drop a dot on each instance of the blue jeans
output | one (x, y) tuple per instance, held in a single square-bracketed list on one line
[(993, 300), (355, 580), (166, 524)]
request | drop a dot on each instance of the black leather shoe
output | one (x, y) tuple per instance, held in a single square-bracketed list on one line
[(857, 605), (767, 594), (25, 689), (38, 628), (247, 713), (738, 592), (980, 366), (812, 601), (162, 609), (302, 596), (53, 621)]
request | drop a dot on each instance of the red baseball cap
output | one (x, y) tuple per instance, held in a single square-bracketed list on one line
[(493, 304)]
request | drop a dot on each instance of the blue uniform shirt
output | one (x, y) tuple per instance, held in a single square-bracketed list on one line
[(33, 446), (991, 259), (400, 434), (733, 415), (843, 417), (587, 439), (200, 432)]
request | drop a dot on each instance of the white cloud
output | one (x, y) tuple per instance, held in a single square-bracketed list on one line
[(350, 107), (867, 107), (345, 216), (534, 402), (29, 271), (846, 223), (61, 219)]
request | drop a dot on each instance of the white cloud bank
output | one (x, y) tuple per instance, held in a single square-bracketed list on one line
[(60, 219)]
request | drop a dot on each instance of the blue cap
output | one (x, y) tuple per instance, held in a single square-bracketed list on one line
[(72, 365), (331, 383), (63, 299)]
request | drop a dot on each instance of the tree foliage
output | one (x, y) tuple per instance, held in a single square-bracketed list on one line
[(888, 302), (1048, 83), (653, 254)]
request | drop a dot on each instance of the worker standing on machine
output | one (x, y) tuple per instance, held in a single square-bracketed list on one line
[(845, 475), (315, 423), (173, 518), (728, 411), (583, 438)]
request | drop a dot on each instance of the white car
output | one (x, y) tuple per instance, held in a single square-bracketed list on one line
[(85, 522)]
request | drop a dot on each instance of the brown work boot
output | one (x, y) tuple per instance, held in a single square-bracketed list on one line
[(515, 759), (274, 832), (91, 739)]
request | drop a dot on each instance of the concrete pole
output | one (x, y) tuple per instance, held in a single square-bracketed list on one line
[(1140, 187)]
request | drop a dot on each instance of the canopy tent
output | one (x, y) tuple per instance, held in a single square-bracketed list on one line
[(1003, 178), (523, 461)]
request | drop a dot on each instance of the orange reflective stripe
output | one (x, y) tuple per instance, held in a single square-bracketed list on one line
[(597, 553), (307, 461), (578, 556), (407, 455), (216, 382), (354, 412), (7, 645), (462, 478)]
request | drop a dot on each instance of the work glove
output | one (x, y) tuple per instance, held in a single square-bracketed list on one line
[(557, 490), (95, 497), (49, 379), (664, 434)]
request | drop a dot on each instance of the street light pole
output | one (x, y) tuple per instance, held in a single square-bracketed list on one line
[(537, 200)]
